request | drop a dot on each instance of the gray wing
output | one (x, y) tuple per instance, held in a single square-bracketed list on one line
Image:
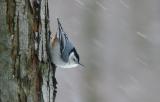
[(65, 45)]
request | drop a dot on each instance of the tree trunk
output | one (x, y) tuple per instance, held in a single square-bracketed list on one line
[(25, 71)]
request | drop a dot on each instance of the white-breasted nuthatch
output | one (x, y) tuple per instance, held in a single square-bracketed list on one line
[(62, 51)]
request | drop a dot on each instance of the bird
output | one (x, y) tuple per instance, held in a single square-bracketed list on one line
[(63, 52)]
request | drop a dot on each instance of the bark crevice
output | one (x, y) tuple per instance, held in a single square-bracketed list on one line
[(28, 26)]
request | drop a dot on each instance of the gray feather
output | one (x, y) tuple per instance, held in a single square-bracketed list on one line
[(65, 45)]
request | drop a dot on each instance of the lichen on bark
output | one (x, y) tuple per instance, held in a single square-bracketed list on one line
[(24, 25)]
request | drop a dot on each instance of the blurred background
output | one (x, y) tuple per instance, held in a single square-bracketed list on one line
[(119, 44)]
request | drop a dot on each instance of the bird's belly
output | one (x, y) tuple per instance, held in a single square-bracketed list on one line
[(57, 60), (61, 64), (68, 65)]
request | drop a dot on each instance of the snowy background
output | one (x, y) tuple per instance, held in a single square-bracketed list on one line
[(119, 44)]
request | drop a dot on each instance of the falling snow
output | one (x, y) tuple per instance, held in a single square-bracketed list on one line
[(120, 64), (124, 4), (142, 35), (80, 2), (101, 5)]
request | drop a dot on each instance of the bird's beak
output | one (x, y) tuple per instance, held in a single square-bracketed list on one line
[(81, 65)]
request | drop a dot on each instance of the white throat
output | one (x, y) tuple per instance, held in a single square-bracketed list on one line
[(68, 66)]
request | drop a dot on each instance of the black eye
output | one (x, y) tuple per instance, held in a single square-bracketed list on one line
[(74, 59)]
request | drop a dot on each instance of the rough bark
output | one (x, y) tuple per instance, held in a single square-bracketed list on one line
[(25, 71)]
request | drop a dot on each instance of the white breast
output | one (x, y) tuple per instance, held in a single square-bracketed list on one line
[(56, 57)]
